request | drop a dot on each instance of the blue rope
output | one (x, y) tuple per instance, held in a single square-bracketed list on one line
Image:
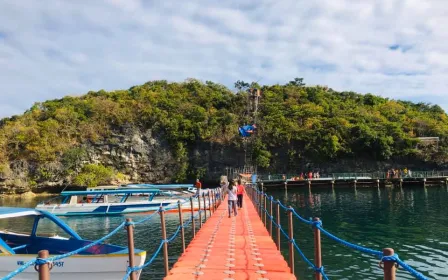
[(19, 270), (404, 265), (173, 236), (318, 224), (348, 244), (137, 268), (300, 217), (310, 264)]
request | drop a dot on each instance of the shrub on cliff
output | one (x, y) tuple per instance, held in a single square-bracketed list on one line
[(94, 174)]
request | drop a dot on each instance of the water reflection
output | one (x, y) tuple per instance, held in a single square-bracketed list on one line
[(414, 221)]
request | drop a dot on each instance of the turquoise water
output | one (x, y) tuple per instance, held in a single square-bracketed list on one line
[(413, 221)]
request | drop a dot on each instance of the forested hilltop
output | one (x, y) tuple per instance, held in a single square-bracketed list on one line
[(162, 132)]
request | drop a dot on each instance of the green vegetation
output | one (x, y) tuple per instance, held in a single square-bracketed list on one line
[(92, 175), (295, 121)]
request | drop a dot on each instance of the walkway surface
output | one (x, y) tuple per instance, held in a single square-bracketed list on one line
[(232, 248)]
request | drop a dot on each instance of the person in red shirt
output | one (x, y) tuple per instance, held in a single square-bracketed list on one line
[(239, 193), (198, 186)]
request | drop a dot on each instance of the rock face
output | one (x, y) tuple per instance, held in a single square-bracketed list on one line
[(141, 154), (145, 156)]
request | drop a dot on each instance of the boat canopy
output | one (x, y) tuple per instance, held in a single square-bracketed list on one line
[(119, 191), (161, 187), (12, 212)]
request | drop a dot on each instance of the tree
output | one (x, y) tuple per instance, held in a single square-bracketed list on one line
[(93, 174), (298, 82)]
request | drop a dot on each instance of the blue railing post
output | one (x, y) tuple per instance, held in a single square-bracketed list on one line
[(200, 210), (317, 250), (130, 231), (278, 225), (181, 223), (193, 227), (270, 214), (44, 268), (165, 244), (291, 236), (389, 265), (205, 207), (266, 209)]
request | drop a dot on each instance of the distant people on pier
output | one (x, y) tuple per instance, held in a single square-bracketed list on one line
[(395, 173), (240, 192)]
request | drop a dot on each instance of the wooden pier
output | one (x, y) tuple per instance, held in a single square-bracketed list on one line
[(232, 248), (354, 182)]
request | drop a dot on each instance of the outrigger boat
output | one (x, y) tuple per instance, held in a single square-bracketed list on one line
[(112, 202), (171, 189), (48, 232)]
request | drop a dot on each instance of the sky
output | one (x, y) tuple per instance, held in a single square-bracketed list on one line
[(53, 48)]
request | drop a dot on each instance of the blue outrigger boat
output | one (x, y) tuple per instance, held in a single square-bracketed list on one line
[(110, 202), (24, 232)]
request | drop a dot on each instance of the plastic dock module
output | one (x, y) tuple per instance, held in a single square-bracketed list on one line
[(232, 248)]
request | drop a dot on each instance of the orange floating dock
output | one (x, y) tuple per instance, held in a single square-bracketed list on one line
[(236, 248)]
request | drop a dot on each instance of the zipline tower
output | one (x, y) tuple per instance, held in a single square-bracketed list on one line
[(248, 131)]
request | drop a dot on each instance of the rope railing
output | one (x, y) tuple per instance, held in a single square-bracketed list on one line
[(215, 196), (390, 260)]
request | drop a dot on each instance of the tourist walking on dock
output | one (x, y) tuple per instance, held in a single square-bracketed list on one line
[(240, 192), (232, 198)]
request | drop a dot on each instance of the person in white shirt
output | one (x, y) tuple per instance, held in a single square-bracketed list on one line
[(232, 192)]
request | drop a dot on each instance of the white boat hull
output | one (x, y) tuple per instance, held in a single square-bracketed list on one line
[(85, 267), (115, 208)]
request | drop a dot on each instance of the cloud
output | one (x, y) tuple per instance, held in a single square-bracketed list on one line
[(393, 48)]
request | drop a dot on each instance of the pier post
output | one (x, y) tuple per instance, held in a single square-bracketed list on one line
[(309, 184), (205, 206), (165, 244), (130, 231), (401, 183), (317, 250), (266, 210), (354, 182), (181, 222), (193, 227), (332, 184), (214, 200), (44, 269), (389, 266), (286, 185), (209, 204), (270, 213), (200, 211), (259, 204), (424, 182), (291, 236), (377, 183), (278, 223)]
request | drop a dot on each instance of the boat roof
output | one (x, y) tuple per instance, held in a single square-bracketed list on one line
[(119, 191), (12, 212), (161, 186)]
